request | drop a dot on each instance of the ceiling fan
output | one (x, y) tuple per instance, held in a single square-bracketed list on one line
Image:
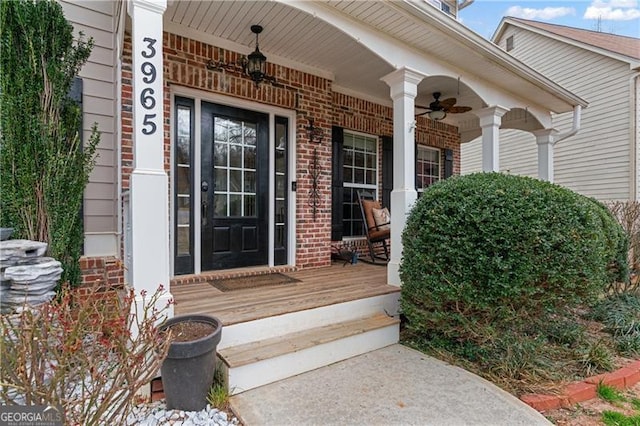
[(438, 109)]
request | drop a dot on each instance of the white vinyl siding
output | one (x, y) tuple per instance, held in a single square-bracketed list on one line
[(95, 19), (596, 161)]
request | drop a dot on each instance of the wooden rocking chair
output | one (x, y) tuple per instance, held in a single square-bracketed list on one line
[(376, 233)]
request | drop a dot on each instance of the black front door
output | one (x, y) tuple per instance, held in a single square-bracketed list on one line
[(234, 187)]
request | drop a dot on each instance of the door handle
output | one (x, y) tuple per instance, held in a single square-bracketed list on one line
[(203, 211), (204, 186)]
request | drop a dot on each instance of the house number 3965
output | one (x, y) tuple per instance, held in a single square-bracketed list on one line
[(147, 98)]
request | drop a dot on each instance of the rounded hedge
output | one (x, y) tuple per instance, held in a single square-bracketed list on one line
[(491, 243)]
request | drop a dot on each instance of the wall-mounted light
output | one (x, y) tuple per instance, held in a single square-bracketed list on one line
[(254, 65)]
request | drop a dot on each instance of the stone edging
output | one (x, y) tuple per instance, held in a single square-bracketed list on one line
[(585, 390)]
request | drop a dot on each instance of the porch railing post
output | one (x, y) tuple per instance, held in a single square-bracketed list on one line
[(544, 139), (490, 120), (148, 197), (404, 88)]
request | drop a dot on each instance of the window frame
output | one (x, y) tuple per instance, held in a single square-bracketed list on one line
[(349, 186), (420, 175)]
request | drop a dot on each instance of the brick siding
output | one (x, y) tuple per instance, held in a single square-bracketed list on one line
[(312, 97)]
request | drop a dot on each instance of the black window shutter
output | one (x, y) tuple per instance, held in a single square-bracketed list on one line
[(337, 181), (448, 163), (387, 170)]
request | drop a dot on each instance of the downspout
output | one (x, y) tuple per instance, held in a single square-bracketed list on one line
[(633, 137), (577, 116)]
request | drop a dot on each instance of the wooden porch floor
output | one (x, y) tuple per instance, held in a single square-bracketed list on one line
[(317, 287)]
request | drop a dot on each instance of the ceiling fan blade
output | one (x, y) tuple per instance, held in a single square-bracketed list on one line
[(448, 103), (421, 114), (459, 109), (422, 107)]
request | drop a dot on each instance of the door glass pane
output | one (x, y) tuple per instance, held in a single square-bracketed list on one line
[(235, 156), (184, 203), (235, 180), (220, 205), (249, 157), (280, 211), (220, 154), (280, 186), (183, 179), (250, 134), (280, 161), (183, 240), (220, 179), (250, 182), (235, 205)]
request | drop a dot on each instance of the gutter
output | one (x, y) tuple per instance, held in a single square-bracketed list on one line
[(634, 115), (577, 117)]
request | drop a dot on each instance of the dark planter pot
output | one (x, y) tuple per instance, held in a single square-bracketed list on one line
[(187, 371)]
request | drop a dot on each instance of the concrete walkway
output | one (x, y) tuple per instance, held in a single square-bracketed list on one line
[(395, 385)]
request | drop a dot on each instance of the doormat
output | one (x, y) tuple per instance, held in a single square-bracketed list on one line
[(254, 281)]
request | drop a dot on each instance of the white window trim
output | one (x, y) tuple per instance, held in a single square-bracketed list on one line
[(440, 162), (373, 187)]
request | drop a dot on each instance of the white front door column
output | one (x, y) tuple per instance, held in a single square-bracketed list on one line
[(149, 203), (404, 88), (490, 120), (545, 141)]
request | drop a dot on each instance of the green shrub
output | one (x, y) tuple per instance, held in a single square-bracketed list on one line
[(489, 251), (43, 166)]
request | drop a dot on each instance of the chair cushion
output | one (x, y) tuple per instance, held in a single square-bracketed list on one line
[(382, 218), (367, 207)]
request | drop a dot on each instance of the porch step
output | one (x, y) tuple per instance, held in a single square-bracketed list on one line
[(266, 361)]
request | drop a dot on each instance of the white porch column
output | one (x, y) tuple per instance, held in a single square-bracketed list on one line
[(490, 120), (544, 139), (404, 87), (149, 202)]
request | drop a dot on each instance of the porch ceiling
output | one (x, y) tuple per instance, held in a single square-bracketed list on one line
[(310, 36), (290, 37)]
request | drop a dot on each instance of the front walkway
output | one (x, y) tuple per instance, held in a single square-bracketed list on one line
[(395, 385)]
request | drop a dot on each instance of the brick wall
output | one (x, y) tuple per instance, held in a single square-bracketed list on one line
[(312, 97), (102, 270)]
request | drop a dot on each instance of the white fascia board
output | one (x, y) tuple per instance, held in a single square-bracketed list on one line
[(633, 62), (399, 55)]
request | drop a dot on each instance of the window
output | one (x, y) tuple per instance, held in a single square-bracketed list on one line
[(427, 167), (360, 168), (509, 43)]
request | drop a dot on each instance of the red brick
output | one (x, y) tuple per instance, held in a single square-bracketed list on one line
[(542, 402), (579, 392), (157, 396), (156, 385), (614, 379)]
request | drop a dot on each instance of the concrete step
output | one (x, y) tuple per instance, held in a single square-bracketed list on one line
[(254, 364)]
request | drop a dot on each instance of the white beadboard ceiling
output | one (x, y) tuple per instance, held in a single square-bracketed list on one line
[(297, 38)]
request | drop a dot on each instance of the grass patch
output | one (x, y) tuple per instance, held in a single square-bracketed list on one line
[(610, 394), (219, 393), (614, 418)]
